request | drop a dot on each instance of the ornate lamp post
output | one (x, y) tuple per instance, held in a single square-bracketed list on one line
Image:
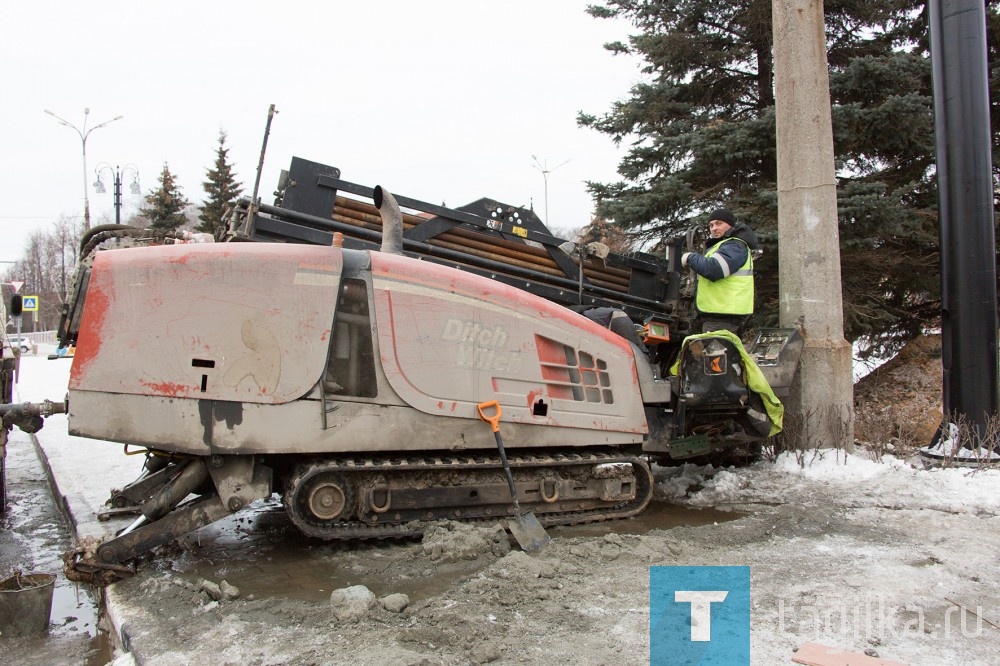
[(128, 169), (84, 133)]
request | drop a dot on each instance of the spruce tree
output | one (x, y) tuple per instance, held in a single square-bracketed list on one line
[(222, 190), (165, 206), (701, 133)]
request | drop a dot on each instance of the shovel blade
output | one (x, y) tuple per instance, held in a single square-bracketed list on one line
[(528, 531)]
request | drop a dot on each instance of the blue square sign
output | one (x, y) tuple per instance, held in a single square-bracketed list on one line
[(699, 616)]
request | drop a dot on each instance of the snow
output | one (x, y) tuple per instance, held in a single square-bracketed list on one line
[(863, 554), (897, 482), (41, 379)]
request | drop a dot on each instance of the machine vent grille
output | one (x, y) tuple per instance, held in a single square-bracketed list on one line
[(570, 374)]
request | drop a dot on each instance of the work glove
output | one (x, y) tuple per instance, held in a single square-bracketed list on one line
[(684, 259)]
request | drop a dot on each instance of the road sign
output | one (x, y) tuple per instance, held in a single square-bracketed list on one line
[(17, 284), (30, 304)]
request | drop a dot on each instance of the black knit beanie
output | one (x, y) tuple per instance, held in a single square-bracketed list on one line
[(723, 215)]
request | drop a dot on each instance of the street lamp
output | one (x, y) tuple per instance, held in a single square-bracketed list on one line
[(117, 173), (545, 175), (84, 133)]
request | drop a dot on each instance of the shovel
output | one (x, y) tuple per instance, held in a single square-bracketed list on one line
[(525, 527)]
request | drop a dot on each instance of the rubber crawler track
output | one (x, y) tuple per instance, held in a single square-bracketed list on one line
[(351, 530)]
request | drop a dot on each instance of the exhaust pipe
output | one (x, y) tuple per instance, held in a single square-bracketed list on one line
[(392, 220)]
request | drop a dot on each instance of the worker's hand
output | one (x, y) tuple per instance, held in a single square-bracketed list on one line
[(684, 258)]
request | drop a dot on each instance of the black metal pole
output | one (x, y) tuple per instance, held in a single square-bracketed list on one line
[(263, 149), (965, 199), (118, 196)]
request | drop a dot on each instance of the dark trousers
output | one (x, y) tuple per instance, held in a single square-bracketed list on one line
[(714, 322)]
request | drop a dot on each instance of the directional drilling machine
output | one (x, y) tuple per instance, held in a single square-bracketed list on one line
[(334, 347)]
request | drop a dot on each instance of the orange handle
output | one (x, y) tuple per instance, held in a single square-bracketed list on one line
[(494, 420)]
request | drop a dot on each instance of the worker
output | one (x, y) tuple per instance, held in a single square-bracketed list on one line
[(724, 292), (615, 320)]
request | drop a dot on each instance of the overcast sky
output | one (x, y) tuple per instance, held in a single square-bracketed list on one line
[(441, 101)]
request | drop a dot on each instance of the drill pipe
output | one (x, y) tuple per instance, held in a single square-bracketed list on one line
[(518, 254)]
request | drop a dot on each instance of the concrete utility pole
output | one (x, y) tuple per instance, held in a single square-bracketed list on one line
[(820, 410)]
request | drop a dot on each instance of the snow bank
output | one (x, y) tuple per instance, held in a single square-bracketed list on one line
[(891, 481)]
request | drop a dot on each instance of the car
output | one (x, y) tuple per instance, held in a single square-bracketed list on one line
[(21, 342)]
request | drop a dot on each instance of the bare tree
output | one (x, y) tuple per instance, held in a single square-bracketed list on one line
[(46, 268)]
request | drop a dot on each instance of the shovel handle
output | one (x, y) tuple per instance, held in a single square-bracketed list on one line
[(493, 420)]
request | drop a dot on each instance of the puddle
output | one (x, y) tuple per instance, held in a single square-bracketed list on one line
[(266, 556), (657, 516), (263, 554), (33, 538), (311, 576)]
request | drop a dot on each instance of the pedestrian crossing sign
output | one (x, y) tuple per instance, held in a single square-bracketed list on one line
[(30, 304)]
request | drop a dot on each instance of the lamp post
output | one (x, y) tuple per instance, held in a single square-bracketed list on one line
[(545, 176), (117, 174), (84, 133)]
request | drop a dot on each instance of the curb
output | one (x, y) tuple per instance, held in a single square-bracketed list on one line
[(119, 634)]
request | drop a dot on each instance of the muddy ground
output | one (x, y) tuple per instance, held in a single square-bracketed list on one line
[(900, 402), (888, 566)]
